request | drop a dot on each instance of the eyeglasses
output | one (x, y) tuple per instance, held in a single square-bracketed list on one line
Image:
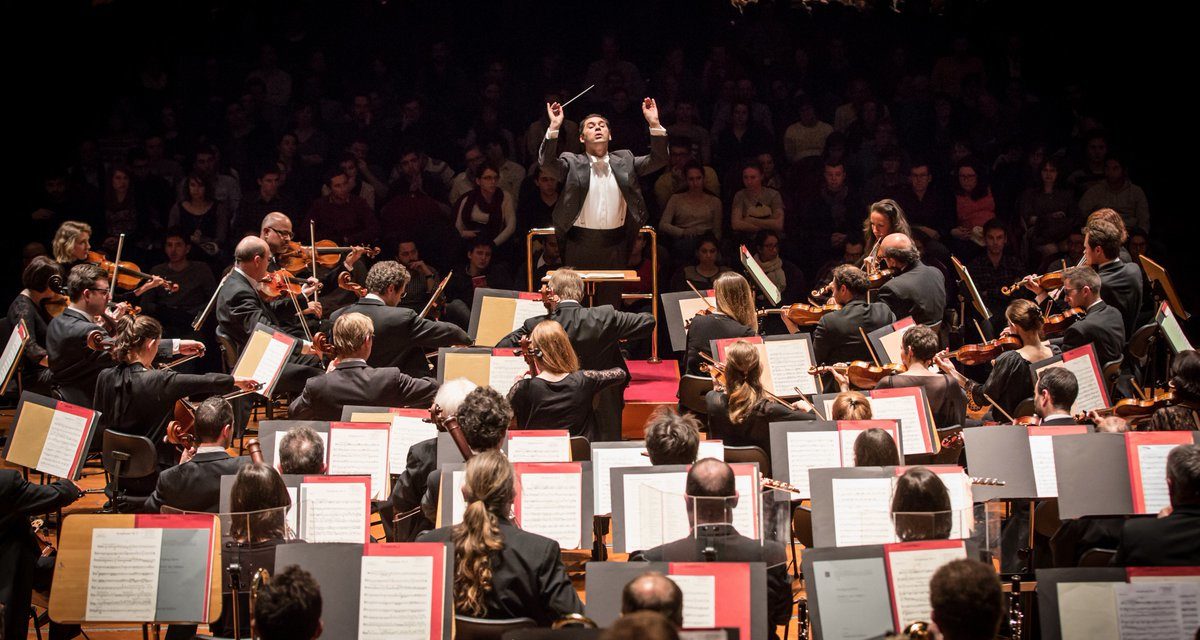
[(104, 291), (287, 235)]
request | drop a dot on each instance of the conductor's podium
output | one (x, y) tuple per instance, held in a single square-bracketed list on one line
[(652, 385)]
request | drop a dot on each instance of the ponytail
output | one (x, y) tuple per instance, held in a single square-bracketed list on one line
[(132, 334), (742, 373), (488, 488)]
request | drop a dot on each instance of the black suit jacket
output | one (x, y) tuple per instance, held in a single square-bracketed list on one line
[(595, 332), (359, 384), (1172, 541), (402, 337), (1121, 288), (410, 488), (836, 337), (920, 292), (1103, 327), (73, 365), (528, 578), (192, 486), (239, 309), (703, 330)]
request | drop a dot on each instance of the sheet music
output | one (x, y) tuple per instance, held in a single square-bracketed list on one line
[(744, 513), (405, 432), (333, 512), (274, 459), (910, 572), (458, 504), (699, 600), (184, 574), (271, 363), (853, 598), (395, 598), (1150, 611), (760, 277), (1087, 610), (862, 511), (123, 576), (846, 438), (789, 364), (504, 371), (16, 340), (293, 511), (655, 511), (1176, 338), (63, 442), (361, 452), (1152, 467), (828, 415), (811, 450), (907, 410), (1041, 450), (958, 485), (539, 448), (893, 343), (690, 306), (551, 506), (1189, 604), (603, 461), (1090, 396), (525, 310)]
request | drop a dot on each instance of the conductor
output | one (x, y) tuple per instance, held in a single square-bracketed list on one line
[(601, 207)]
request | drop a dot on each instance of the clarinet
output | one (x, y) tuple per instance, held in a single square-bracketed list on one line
[(1016, 617)]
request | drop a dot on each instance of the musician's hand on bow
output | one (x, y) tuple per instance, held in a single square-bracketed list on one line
[(245, 384), (555, 113), (311, 285), (1030, 283), (353, 257), (313, 309), (191, 347), (152, 283), (650, 111), (804, 405)]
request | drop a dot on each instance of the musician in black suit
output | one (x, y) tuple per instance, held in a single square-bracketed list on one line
[(353, 382), (1053, 397), (404, 336), (596, 334), (483, 417), (1120, 281), (502, 571), (1168, 540), (733, 317), (601, 207), (918, 290), (710, 483), (837, 337), (22, 566), (1102, 326), (195, 485), (73, 365), (276, 231)]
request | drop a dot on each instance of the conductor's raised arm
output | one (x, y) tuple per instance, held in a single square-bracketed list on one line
[(548, 152), (657, 159)]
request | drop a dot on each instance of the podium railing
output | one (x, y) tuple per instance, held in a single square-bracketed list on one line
[(652, 296)]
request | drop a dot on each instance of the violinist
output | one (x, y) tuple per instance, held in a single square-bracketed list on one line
[(276, 231), (1102, 326), (74, 366), (1120, 282), (1053, 396), (883, 219), (733, 317), (1012, 377), (1184, 415), (404, 336), (918, 290), (137, 399), (837, 337), (561, 394), (741, 414), (351, 381), (28, 306), (946, 399)]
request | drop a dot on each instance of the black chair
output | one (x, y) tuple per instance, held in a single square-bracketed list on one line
[(581, 449), (127, 457), (802, 526), (1110, 372), (1097, 557), (749, 454), (692, 390), (468, 628), (229, 351)]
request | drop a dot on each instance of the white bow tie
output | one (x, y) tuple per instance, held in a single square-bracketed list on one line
[(600, 166)]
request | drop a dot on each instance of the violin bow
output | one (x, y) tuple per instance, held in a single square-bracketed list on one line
[(303, 323), (437, 293), (312, 237), (117, 262), (979, 329), (870, 349), (1011, 420), (702, 296)]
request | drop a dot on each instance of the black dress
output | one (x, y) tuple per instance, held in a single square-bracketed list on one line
[(567, 404), (34, 377), (755, 428), (705, 329), (1010, 382), (946, 399)]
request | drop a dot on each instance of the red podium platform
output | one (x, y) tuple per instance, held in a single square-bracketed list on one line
[(652, 385)]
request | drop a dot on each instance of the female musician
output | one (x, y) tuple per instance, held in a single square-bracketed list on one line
[(27, 306), (921, 506), (561, 394), (875, 448), (1185, 385), (946, 399), (733, 317), (501, 571), (741, 414), (1012, 376), (883, 219), (135, 398), (71, 244), (850, 405)]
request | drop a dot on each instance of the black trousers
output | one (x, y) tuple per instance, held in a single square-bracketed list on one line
[(587, 249)]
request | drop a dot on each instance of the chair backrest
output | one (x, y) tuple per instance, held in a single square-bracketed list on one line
[(1097, 557), (1111, 371), (1138, 348), (1024, 409), (581, 449), (802, 526), (229, 350), (749, 454), (1046, 520), (692, 390), (143, 458), (468, 628)]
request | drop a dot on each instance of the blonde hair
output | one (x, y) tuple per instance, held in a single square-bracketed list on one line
[(736, 299), (557, 354), (742, 372), (567, 284), (350, 333), (488, 490), (133, 332), (64, 239), (851, 405)]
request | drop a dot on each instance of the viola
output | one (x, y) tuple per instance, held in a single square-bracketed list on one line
[(1047, 281), (280, 283), (821, 294), (881, 277), (433, 308), (181, 430), (973, 354), (346, 282), (1133, 409), (129, 275), (530, 353), (707, 310), (801, 314), (863, 375), (1059, 322), (321, 344), (297, 257)]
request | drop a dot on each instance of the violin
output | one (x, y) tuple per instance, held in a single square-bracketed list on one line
[(801, 314), (1047, 281), (1133, 410), (530, 353), (706, 311), (280, 283), (45, 544), (297, 257), (972, 354), (321, 344), (863, 375), (821, 294), (346, 282), (880, 277), (129, 275), (1057, 323), (717, 371)]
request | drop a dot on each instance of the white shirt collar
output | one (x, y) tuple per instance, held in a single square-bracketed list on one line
[(210, 449), (1098, 301), (373, 296), (349, 360), (1054, 416)]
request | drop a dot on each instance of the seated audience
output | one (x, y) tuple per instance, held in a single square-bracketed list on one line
[(706, 265), (690, 214), (480, 272)]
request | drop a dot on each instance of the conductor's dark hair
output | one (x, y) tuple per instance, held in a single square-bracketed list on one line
[(672, 438), (484, 416), (921, 506), (82, 278), (288, 606), (1062, 386), (211, 417), (966, 600)]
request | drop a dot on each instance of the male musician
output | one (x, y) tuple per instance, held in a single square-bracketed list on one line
[(966, 600), (352, 381), (712, 496), (1053, 396), (301, 451), (404, 336), (918, 290), (599, 190), (595, 334), (1121, 282), (837, 337), (195, 485), (276, 230), (672, 438), (28, 306), (288, 607), (1168, 540), (652, 591), (73, 365), (1102, 325)]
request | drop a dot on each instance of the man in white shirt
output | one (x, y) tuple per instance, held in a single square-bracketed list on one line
[(601, 207)]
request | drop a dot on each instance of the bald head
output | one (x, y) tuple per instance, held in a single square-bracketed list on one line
[(277, 220), (898, 250), (276, 230), (652, 591), (251, 256)]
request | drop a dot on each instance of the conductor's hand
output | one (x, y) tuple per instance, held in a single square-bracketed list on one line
[(555, 112), (650, 110)]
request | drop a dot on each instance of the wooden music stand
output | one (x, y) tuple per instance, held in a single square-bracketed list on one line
[(595, 276)]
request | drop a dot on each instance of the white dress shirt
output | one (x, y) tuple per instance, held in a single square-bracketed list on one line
[(604, 207)]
